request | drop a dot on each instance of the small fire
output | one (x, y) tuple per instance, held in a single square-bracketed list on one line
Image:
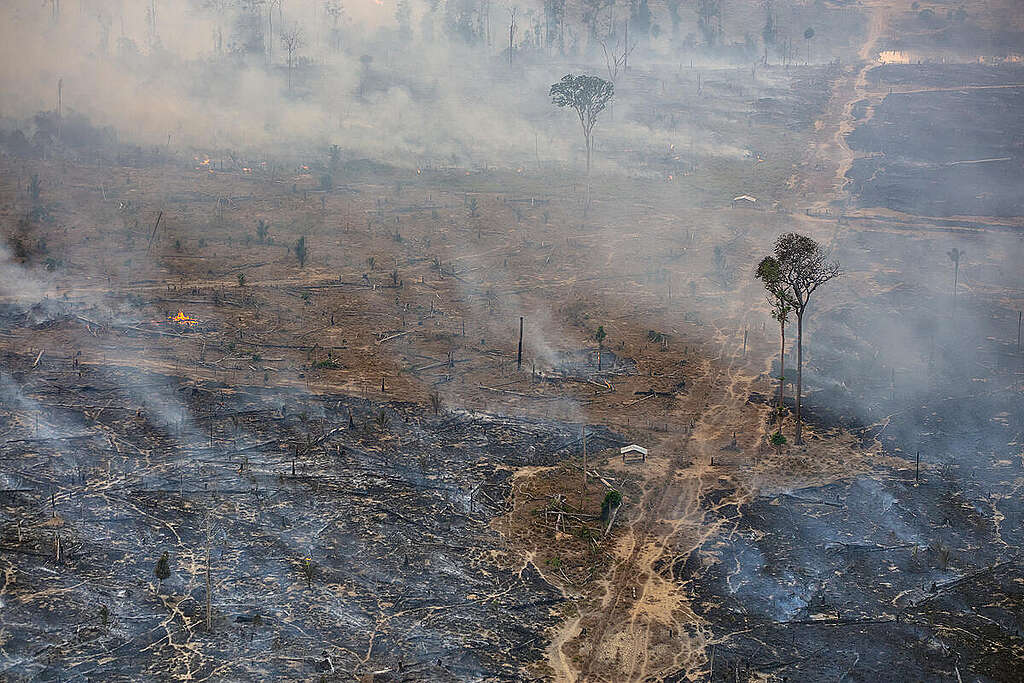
[(182, 319)]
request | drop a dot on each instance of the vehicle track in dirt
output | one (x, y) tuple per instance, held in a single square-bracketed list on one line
[(646, 628)]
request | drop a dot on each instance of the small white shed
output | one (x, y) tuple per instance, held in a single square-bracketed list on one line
[(633, 452)]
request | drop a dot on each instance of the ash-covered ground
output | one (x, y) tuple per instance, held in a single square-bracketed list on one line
[(389, 505), (945, 141), (354, 469)]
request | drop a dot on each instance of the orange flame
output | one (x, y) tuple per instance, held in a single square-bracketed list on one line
[(183, 319)]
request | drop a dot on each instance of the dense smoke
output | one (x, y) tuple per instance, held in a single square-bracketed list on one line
[(414, 84)]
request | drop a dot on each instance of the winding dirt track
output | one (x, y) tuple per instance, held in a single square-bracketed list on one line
[(644, 628)]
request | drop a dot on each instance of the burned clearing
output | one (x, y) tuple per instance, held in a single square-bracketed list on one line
[(948, 152), (319, 350), (359, 525)]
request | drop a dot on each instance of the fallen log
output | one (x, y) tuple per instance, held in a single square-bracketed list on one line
[(394, 336), (518, 393)]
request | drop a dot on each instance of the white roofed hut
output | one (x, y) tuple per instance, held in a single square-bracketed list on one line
[(633, 453)]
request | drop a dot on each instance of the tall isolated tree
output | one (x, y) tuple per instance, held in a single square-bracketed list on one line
[(769, 272), (588, 96), (291, 40), (803, 267)]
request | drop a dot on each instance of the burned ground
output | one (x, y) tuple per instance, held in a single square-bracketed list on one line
[(389, 505), (890, 578), (386, 494), (948, 152)]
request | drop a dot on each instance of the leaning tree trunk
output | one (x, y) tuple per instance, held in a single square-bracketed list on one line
[(799, 375)]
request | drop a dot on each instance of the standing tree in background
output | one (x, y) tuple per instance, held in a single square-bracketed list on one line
[(300, 251), (770, 31), (291, 40), (554, 19), (769, 272), (677, 19), (803, 267), (511, 31), (403, 15), (270, 30), (709, 20), (808, 34), (588, 96)]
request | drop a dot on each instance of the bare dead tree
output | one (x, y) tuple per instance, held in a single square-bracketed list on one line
[(617, 57), (291, 40)]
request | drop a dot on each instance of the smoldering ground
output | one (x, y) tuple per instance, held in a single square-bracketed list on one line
[(698, 169)]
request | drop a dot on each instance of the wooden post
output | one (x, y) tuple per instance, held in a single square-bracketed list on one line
[(744, 342), (519, 356), (1019, 313), (583, 490), (209, 584), (60, 105)]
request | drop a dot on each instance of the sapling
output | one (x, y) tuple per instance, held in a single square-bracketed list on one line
[(162, 570)]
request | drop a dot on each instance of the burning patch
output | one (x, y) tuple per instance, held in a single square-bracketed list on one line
[(183, 320)]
